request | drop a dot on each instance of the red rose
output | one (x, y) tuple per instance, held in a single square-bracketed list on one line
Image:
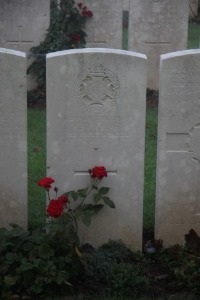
[(46, 182), (75, 38), (89, 13), (63, 199), (79, 4), (98, 172), (55, 208)]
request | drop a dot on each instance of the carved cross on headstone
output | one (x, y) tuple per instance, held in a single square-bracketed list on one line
[(84, 172), (188, 143), (19, 40)]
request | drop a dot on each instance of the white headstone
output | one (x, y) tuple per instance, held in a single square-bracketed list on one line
[(24, 23), (178, 161), (104, 29), (96, 117), (13, 138), (157, 27)]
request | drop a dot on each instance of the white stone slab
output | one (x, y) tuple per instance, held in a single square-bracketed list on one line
[(104, 29), (96, 116), (157, 27), (13, 138), (23, 23), (178, 161)]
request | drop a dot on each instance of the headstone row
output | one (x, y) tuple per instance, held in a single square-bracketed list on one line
[(96, 116)]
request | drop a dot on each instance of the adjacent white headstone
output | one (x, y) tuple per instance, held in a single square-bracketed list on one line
[(13, 138), (96, 117), (104, 29), (178, 161), (157, 27), (24, 23)]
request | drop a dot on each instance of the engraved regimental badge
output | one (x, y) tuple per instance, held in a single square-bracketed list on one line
[(97, 88)]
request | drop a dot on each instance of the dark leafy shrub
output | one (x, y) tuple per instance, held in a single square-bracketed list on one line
[(127, 280), (37, 265), (66, 31), (101, 262)]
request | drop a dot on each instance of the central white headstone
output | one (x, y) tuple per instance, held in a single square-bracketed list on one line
[(96, 117)]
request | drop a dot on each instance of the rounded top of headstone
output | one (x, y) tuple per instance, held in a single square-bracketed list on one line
[(96, 50), (12, 52), (179, 53)]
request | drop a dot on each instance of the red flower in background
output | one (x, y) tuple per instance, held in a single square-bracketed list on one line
[(87, 13), (98, 172), (75, 38), (80, 4), (46, 182), (84, 11), (55, 208)]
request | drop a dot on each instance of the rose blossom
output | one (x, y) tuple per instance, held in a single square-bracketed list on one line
[(46, 182), (98, 172), (63, 199), (75, 38), (55, 208)]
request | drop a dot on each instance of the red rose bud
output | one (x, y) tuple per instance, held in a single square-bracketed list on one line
[(98, 172), (79, 4), (46, 182), (55, 208), (89, 13), (55, 189), (75, 38)]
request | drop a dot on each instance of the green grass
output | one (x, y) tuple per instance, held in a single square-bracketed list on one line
[(150, 168), (36, 166), (193, 36)]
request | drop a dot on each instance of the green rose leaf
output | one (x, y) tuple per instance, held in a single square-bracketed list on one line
[(74, 195), (108, 202), (97, 208), (86, 219), (44, 251), (97, 197), (82, 193), (104, 190)]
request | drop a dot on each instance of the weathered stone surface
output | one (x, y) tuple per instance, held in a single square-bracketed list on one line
[(178, 161), (157, 27), (13, 138), (23, 23), (96, 116), (104, 29)]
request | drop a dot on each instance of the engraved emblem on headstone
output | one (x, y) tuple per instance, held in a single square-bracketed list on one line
[(97, 88), (193, 142)]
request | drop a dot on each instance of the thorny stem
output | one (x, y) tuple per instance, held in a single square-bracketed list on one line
[(96, 183), (48, 195), (73, 217)]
